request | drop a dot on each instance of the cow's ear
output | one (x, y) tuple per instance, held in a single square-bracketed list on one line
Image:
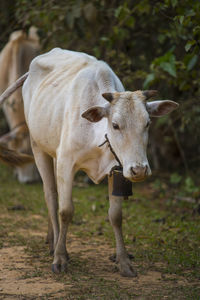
[(95, 113), (161, 108), (108, 96), (149, 93)]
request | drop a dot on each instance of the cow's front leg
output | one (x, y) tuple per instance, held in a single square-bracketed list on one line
[(115, 217), (66, 209)]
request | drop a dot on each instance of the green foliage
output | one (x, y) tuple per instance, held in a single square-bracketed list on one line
[(166, 62), (187, 186), (190, 187), (175, 178)]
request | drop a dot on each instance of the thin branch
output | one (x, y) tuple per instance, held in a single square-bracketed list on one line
[(187, 199)]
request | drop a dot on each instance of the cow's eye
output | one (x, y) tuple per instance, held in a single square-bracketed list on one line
[(115, 126)]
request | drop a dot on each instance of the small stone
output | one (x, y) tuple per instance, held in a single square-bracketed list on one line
[(94, 207)]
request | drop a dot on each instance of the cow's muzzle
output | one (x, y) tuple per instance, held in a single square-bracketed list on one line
[(139, 173)]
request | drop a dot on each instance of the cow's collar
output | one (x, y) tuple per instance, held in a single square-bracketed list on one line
[(121, 185), (118, 168)]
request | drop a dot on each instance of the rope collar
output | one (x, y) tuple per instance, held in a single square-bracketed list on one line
[(118, 168), (121, 185)]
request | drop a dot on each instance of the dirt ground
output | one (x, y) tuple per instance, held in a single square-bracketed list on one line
[(25, 273), (163, 238)]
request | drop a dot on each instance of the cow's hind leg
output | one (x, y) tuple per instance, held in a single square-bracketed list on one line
[(50, 236), (65, 176), (46, 169), (115, 216)]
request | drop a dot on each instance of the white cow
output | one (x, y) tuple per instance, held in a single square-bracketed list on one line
[(71, 100)]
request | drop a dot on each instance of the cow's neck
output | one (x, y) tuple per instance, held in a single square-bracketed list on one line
[(107, 141), (98, 161), (101, 164)]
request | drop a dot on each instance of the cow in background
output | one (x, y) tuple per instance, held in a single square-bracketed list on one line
[(15, 59)]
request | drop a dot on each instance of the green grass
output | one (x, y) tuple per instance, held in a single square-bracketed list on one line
[(162, 234)]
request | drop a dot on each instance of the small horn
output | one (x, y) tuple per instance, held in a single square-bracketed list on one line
[(108, 96), (149, 93)]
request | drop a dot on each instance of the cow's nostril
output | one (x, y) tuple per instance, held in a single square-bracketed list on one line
[(132, 170), (139, 171)]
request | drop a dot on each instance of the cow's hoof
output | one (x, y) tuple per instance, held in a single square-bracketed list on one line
[(56, 268), (131, 256), (113, 257), (128, 272), (51, 252), (64, 268)]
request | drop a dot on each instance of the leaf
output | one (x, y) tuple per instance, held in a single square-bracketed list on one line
[(189, 45), (104, 39), (169, 68), (161, 38), (196, 29), (130, 22), (174, 2), (191, 13), (118, 11), (148, 81), (167, 57), (166, 62), (192, 62), (175, 178), (190, 186), (181, 19)]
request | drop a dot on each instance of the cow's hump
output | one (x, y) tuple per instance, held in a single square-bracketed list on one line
[(58, 58)]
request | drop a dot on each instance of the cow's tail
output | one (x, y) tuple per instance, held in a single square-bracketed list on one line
[(12, 88), (13, 158), (8, 156)]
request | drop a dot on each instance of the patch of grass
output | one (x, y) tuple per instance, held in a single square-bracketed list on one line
[(32, 274), (160, 234), (30, 196)]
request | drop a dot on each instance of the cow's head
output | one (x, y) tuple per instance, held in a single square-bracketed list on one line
[(128, 116)]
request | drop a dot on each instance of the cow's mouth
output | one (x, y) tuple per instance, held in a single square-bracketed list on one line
[(137, 179)]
